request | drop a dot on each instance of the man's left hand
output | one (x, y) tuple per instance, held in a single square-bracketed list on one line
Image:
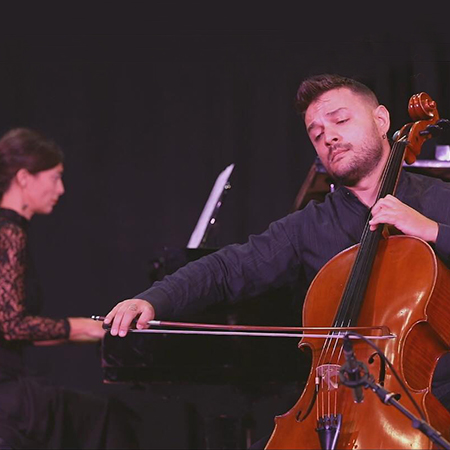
[(391, 211)]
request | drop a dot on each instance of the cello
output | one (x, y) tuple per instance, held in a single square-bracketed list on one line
[(392, 281)]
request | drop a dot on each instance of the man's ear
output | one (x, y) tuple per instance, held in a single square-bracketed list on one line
[(382, 118)]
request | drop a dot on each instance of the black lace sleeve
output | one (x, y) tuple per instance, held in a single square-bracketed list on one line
[(15, 323)]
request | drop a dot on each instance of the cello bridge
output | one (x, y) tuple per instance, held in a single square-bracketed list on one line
[(328, 374)]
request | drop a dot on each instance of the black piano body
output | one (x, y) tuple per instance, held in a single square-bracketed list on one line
[(216, 383), (190, 358)]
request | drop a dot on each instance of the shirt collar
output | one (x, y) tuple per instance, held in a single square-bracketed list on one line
[(402, 186)]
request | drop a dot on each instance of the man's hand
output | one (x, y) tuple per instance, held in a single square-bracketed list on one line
[(391, 211), (121, 316)]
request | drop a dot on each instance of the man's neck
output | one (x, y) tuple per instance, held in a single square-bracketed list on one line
[(366, 190), (366, 194)]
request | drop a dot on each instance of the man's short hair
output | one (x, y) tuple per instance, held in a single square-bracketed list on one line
[(313, 87)]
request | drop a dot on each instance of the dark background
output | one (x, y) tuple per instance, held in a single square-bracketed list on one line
[(147, 121)]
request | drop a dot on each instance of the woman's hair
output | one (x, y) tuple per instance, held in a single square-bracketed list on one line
[(313, 87), (22, 148)]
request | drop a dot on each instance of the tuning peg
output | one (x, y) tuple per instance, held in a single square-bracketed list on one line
[(434, 130), (443, 123)]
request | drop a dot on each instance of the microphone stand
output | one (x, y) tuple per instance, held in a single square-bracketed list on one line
[(389, 398), (364, 379)]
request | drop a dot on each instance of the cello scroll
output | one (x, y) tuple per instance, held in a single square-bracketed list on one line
[(427, 124)]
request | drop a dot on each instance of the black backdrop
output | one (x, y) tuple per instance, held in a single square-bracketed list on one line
[(147, 123)]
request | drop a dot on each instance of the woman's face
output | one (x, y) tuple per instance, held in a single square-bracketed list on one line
[(44, 189)]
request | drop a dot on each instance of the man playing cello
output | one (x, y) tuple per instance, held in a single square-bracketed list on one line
[(348, 128)]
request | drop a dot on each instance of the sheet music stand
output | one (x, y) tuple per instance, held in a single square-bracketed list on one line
[(208, 217)]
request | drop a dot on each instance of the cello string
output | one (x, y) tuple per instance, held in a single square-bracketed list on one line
[(353, 303), (353, 294), (329, 393), (322, 396), (335, 402), (389, 179), (329, 389), (348, 304)]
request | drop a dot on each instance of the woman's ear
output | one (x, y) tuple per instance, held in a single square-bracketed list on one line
[(22, 177)]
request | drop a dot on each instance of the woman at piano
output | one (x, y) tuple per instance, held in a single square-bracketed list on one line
[(33, 413)]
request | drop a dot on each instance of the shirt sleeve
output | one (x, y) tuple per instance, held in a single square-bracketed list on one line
[(443, 242), (269, 260), (15, 324), (436, 206)]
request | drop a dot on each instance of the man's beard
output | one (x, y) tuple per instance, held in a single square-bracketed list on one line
[(362, 163)]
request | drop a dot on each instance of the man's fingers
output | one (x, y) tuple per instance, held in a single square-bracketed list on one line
[(109, 317), (386, 211), (117, 320), (123, 314), (147, 315), (388, 202)]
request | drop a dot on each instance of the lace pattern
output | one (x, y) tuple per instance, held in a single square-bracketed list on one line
[(15, 322)]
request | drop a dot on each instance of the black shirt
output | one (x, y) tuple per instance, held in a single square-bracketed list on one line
[(294, 247), (297, 247)]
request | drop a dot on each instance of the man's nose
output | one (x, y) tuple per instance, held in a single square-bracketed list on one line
[(331, 136)]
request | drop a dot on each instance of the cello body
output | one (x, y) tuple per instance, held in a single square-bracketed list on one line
[(408, 292)]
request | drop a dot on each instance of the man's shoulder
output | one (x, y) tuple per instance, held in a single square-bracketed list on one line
[(423, 191), (421, 181)]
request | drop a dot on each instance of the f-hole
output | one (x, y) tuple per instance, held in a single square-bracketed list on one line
[(298, 417), (382, 374)]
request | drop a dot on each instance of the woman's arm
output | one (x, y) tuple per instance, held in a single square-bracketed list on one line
[(15, 323), (82, 330)]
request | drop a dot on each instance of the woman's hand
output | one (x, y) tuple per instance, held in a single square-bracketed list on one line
[(391, 211), (121, 316), (86, 330)]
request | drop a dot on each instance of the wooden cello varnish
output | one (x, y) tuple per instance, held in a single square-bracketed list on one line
[(408, 291)]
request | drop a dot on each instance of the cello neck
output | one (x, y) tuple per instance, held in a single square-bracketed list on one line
[(353, 296), (391, 172)]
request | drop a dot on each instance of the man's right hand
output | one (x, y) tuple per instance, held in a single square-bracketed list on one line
[(121, 316)]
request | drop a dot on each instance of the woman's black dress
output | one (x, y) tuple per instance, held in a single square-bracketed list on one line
[(34, 413)]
